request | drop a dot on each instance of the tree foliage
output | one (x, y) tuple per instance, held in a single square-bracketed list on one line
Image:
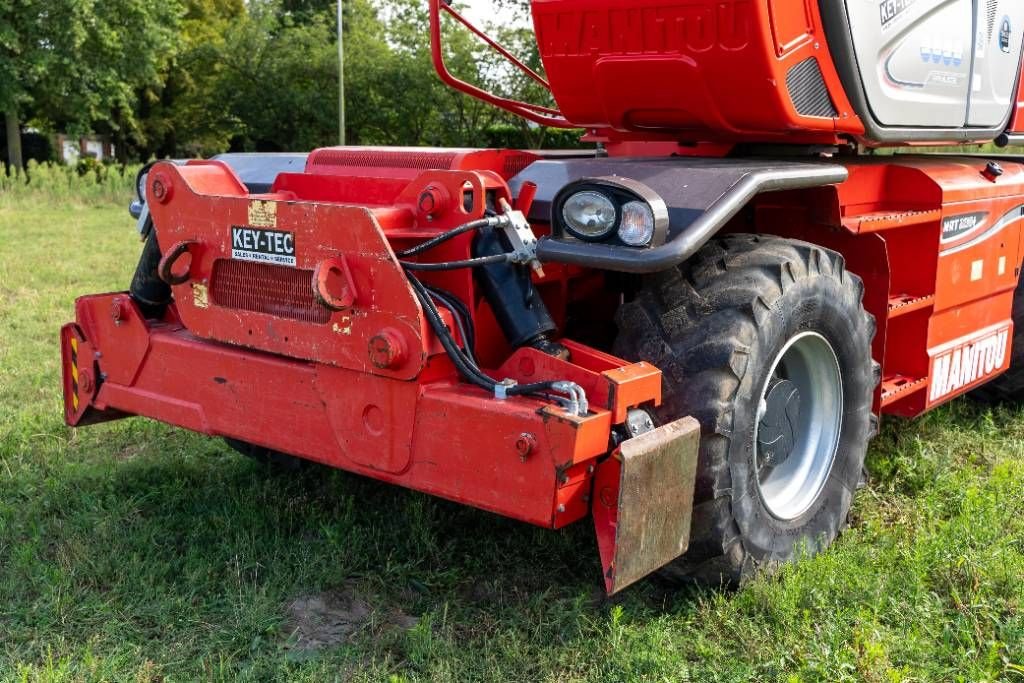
[(74, 64), (198, 77)]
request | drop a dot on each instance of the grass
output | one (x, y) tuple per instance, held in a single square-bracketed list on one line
[(133, 551)]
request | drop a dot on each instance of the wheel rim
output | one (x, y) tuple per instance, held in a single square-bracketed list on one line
[(799, 419)]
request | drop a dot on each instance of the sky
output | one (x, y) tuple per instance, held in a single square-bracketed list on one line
[(480, 12)]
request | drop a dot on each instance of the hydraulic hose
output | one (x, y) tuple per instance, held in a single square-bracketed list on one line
[(147, 289), (478, 224), (455, 265), (464, 360), (466, 367)]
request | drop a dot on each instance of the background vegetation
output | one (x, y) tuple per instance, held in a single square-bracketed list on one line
[(181, 78), (134, 551)]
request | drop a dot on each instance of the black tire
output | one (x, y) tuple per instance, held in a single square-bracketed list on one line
[(267, 456), (1009, 386), (715, 326)]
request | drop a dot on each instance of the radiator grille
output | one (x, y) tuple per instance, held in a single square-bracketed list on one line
[(264, 288), (374, 158), (808, 90), (514, 164)]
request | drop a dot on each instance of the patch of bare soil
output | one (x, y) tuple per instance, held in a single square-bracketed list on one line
[(333, 617)]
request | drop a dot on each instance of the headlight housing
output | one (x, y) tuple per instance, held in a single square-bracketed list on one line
[(612, 210), (590, 215)]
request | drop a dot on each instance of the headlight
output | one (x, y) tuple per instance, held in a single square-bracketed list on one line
[(589, 215), (140, 181), (637, 225), (140, 187), (613, 210)]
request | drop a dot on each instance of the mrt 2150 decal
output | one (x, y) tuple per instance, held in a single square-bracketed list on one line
[(969, 360)]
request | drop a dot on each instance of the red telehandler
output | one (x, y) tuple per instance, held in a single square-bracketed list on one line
[(687, 333)]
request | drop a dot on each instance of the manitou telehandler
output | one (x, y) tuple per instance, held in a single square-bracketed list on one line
[(687, 333)]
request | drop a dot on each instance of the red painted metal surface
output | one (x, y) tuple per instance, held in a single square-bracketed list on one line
[(323, 351), (425, 435), (690, 70), (939, 247)]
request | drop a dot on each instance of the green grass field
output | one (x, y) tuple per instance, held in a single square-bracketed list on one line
[(133, 551)]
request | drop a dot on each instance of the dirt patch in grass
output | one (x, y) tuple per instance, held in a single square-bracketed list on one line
[(334, 617)]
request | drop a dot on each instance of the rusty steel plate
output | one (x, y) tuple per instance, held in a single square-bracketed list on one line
[(655, 502)]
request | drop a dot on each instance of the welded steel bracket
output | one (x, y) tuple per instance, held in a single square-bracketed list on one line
[(643, 502)]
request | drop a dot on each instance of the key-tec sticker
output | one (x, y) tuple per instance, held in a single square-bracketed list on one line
[(266, 246), (969, 360), (890, 10)]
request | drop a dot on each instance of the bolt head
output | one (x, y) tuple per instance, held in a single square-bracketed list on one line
[(162, 187), (525, 443), (386, 350), (85, 382)]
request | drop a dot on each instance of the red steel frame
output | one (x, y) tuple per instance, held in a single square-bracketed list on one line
[(324, 390)]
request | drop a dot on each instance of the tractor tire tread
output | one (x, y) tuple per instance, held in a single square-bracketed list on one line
[(698, 323)]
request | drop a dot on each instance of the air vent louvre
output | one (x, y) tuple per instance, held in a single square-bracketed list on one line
[(264, 288), (808, 90)]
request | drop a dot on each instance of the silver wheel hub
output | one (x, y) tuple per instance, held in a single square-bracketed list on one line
[(799, 420)]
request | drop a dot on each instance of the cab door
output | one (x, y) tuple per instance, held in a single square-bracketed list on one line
[(915, 59), (999, 40)]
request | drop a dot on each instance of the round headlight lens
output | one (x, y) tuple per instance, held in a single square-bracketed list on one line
[(589, 214), (637, 226)]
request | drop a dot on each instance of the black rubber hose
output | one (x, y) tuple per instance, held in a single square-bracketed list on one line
[(459, 325), (147, 289), (444, 237), (462, 318), (465, 367), (456, 265), (520, 389)]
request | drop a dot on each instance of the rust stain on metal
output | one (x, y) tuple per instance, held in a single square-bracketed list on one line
[(200, 295), (262, 214), (345, 327), (655, 499)]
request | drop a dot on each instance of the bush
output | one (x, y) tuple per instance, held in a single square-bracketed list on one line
[(90, 182)]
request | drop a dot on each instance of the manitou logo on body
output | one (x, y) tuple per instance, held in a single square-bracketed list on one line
[(266, 246), (969, 361)]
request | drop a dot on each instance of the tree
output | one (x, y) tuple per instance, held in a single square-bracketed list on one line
[(187, 114), (279, 80), (73, 62)]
